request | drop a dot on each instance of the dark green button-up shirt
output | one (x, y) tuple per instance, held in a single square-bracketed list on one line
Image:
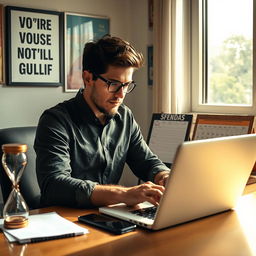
[(75, 152)]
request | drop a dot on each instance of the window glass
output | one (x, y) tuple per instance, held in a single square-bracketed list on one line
[(228, 55)]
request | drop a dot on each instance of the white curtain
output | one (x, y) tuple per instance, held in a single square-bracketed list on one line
[(171, 59)]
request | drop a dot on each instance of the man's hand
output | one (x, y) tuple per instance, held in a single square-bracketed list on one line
[(144, 192), (113, 194)]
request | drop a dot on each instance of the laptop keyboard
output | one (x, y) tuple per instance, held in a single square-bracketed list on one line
[(149, 212)]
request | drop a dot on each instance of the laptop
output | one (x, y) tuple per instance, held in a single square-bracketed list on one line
[(208, 177)]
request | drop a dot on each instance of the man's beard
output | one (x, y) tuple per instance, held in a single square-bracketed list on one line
[(102, 110), (108, 114)]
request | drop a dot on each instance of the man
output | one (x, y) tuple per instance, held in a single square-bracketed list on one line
[(82, 144)]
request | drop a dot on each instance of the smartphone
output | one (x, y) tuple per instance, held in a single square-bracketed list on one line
[(113, 225)]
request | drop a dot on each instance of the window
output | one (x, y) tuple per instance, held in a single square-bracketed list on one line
[(222, 56)]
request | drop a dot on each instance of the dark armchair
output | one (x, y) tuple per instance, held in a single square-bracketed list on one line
[(28, 184)]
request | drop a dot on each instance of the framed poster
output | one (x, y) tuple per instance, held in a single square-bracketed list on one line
[(150, 13), (150, 65), (80, 29), (34, 47)]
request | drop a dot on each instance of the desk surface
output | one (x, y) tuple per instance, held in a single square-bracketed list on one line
[(228, 233)]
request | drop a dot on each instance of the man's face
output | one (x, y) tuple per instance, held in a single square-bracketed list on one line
[(104, 102)]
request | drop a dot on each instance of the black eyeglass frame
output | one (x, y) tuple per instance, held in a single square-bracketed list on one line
[(109, 83)]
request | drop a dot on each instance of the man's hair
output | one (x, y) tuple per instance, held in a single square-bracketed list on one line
[(110, 51)]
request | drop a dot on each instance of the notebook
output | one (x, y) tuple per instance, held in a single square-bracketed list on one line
[(208, 176), (43, 227)]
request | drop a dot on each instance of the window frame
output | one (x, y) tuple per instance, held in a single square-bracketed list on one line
[(197, 76)]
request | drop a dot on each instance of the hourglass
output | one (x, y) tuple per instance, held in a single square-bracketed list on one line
[(15, 210)]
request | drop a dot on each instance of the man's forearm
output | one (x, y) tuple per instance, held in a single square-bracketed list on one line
[(107, 194), (112, 194)]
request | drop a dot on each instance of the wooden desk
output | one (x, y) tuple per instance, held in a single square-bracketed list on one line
[(229, 233)]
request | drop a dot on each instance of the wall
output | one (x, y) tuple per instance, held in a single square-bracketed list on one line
[(141, 104), (128, 19), (22, 106), (142, 37)]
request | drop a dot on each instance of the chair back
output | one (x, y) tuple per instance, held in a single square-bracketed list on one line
[(28, 184)]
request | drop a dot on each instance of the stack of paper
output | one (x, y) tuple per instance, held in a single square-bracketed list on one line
[(43, 227)]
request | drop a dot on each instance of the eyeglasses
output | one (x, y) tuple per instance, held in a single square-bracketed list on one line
[(115, 86)]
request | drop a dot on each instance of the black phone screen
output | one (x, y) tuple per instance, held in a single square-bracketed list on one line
[(108, 223)]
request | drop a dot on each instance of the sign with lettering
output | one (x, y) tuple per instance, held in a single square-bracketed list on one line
[(167, 131), (34, 47)]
